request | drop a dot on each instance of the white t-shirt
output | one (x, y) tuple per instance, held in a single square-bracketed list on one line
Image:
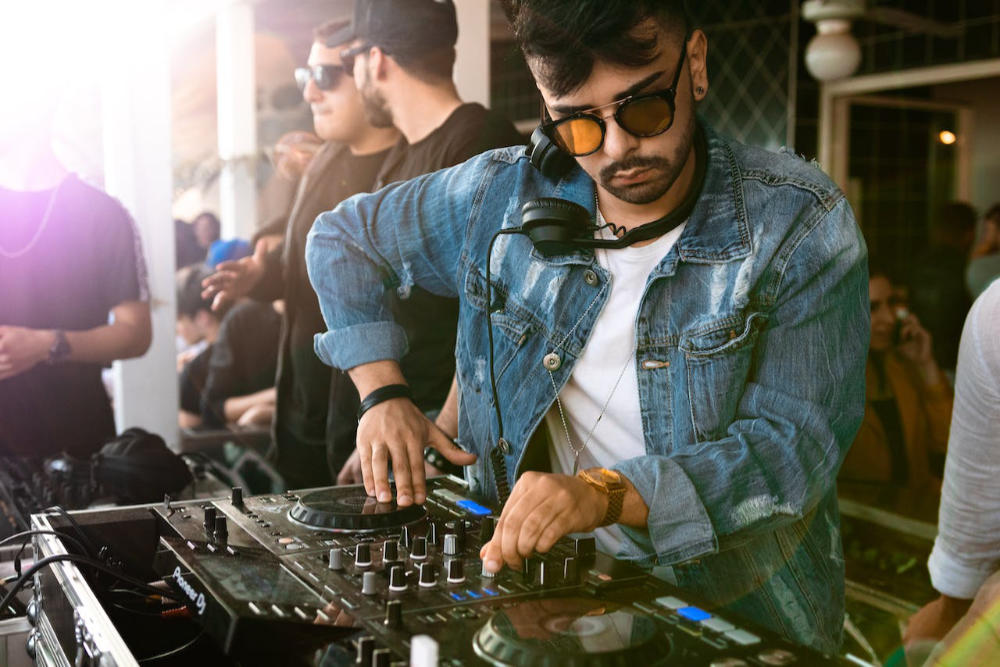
[(967, 548), (606, 374)]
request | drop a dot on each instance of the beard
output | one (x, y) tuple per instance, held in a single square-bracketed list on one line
[(376, 110), (664, 169)]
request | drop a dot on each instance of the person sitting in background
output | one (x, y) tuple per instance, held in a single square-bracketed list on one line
[(907, 410), (937, 280), (197, 328), (967, 548), (984, 263), (231, 380), (186, 248), (207, 229)]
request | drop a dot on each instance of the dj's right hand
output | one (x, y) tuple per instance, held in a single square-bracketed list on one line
[(395, 433), (234, 279)]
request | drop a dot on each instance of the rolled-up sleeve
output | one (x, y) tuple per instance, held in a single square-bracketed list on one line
[(406, 234), (967, 549), (796, 417)]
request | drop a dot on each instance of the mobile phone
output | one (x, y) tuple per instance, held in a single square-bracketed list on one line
[(897, 329)]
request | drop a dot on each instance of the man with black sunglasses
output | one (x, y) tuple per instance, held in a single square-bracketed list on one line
[(314, 424), (691, 396)]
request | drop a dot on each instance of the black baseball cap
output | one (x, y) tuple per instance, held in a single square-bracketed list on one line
[(401, 27)]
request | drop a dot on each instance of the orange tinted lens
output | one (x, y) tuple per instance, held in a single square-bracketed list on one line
[(578, 136), (646, 116)]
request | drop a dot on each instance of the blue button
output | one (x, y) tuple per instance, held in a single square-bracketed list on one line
[(491, 593), (474, 508), (457, 597), (694, 614), (474, 595)]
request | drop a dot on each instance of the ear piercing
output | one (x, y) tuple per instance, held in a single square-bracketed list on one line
[(699, 90)]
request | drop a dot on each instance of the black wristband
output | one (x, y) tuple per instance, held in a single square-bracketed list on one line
[(383, 394)]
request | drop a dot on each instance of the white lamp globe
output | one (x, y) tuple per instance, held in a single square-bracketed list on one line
[(833, 53)]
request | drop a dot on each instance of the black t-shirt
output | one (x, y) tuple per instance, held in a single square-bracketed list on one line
[(192, 381), (243, 358), (67, 274), (430, 321), (307, 388)]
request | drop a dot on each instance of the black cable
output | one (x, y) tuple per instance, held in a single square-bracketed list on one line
[(91, 550), (83, 560), (11, 538), (17, 556), (496, 455), (489, 325), (174, 651)]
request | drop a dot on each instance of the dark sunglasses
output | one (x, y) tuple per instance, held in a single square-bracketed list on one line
[(348, 56), (645, 115), (326, 77)]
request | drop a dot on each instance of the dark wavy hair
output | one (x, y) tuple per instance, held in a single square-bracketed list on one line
[(561, 40)]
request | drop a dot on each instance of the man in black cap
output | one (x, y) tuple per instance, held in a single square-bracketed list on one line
[(402, 55)]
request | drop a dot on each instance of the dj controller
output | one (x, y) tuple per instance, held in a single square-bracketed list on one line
[(273, 579)]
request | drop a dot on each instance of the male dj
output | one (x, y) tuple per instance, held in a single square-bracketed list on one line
[(706, 380)]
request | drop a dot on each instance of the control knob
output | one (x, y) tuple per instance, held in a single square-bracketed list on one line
[(390, 551), (451, 544), (237, 497), (419, 549), (397, 578), (486, 528), (393, 614), (428, 575), (209, 518), (366, 646), (221, 528), (456, 571), (363, 555), (368, 583), (336, 559)]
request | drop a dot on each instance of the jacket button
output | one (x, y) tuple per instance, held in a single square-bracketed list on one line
[(504, 446), (551, 361), (590, 277)]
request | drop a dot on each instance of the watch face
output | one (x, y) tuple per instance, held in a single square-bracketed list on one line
[(610, 476)]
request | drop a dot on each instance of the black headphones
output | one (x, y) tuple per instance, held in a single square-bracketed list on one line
[(557, 226)]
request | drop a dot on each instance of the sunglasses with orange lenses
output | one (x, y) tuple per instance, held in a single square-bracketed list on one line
[(644, 115)]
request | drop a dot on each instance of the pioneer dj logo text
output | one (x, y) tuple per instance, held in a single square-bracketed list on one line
[(197, 598)]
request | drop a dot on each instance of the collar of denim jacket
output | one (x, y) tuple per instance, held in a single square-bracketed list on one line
[(717, 230)]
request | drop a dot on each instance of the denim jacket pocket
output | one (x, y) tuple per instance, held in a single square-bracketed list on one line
[(717, 358), (512, 327)]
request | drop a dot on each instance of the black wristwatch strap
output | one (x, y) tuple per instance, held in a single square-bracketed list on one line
[(383, 394), (437, 459)]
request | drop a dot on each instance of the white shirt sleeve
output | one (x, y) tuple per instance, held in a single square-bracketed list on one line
[(967, 549)]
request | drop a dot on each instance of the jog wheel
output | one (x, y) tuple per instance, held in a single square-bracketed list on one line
[(571, 631), (351, 510)]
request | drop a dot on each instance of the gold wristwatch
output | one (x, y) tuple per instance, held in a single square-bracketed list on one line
[(611, 484)]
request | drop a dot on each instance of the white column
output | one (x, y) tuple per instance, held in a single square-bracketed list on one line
[(472, 66), (237, 110), (135, 88)]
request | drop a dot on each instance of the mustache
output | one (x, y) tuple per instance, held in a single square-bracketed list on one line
[(633, 162)]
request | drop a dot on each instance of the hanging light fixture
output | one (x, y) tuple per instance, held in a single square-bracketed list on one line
[(833, 53)]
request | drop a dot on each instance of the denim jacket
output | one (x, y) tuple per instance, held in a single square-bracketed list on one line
[(751, 338)]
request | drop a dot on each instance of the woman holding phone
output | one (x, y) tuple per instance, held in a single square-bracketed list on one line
[(895, 458)]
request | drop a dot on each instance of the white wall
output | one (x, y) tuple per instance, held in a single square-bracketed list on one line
[(472, 66), (983, 96)]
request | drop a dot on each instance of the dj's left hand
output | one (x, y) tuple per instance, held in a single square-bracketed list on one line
[(21, 349), (542, 508)]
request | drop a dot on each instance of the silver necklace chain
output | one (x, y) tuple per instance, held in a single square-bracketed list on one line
[(555, 389), (14, 254)]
